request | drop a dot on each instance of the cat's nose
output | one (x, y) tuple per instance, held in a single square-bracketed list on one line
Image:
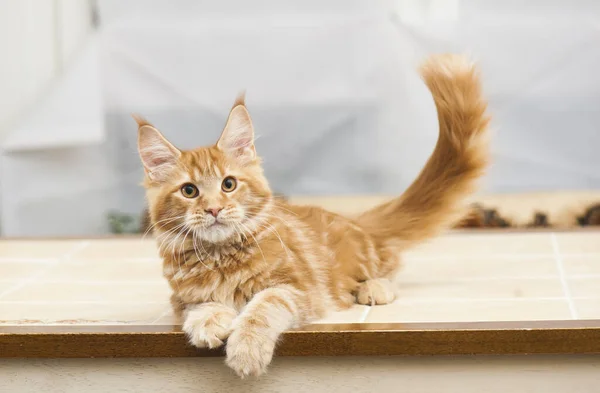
[(214, 211)]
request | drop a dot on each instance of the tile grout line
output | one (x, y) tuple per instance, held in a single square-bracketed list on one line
[(44, 270), (497, 256), (25, 281), (563, 278), (364, 315), (27, 260), (496, 279), (366, 312), (407, 258), (162, 315), (160, 282), (75, 250), (94, 259), (103, 282), (78, 302)]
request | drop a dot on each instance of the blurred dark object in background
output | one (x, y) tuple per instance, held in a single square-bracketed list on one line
[(591, 216)]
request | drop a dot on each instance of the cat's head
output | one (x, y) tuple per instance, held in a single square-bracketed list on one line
[(215, 192)]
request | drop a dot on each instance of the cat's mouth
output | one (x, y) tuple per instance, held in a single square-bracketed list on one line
[(215, 232), (212, 231), (199, 223), (216, 224)]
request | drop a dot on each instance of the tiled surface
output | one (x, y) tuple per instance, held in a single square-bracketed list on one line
[(37, 250), (458, 277), (588, 308), (483, 245), (468, 311)]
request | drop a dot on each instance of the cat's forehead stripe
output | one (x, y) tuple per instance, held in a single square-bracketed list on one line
[(197, 174), (217, 171), (203, 163)]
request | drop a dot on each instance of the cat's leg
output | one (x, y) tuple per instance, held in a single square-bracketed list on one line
[(375, 291), (208, 324), (256, 330), (178, 308)]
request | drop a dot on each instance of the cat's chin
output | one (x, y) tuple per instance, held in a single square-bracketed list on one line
[(216, 233)]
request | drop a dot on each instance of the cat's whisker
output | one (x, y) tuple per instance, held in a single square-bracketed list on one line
[(276, 233), (166, 235), (169, 241), (279, 207), (237, 231), (173, 242), (182, 250), (181, 242), (267, 215), (202, 246), (182, 238), (171, 231), (273, 206), (268, 226), (256, 211), (196, 251), (166, 220), (240, 231), (255, 241), (242, 234)]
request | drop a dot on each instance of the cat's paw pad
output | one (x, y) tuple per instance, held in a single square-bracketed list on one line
[(208, 330), (376, 291), (249, 354)]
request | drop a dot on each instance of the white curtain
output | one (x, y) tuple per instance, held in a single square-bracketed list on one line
[(334, 93)]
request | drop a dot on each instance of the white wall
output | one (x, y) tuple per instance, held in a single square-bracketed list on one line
[(539, 59), (332, 88), (37, 39)]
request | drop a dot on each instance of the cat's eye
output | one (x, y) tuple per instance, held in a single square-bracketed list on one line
[(189, 190), (229, 184)]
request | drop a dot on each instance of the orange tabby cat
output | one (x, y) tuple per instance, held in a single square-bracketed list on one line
[(245, 266)]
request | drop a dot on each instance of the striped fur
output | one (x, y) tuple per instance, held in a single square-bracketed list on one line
[(270, 266)]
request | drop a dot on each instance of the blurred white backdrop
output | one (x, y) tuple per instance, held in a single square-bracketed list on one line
[(332, 87)]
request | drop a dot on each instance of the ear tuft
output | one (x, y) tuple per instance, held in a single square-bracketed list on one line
[(240, 99), (140, 120), (237, 138)]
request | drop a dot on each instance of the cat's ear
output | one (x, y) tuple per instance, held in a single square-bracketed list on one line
[(158, 155), (237, 138)]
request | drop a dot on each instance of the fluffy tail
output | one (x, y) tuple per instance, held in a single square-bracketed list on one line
[(436, 199)]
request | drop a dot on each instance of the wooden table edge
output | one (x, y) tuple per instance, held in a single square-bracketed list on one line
[(373, 339)]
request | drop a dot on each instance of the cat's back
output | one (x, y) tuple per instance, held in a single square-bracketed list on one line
[(318, 219), (332, 228)]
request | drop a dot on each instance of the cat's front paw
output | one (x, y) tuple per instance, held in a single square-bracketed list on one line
[(249, 353), (208, 328), (375, 291)]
